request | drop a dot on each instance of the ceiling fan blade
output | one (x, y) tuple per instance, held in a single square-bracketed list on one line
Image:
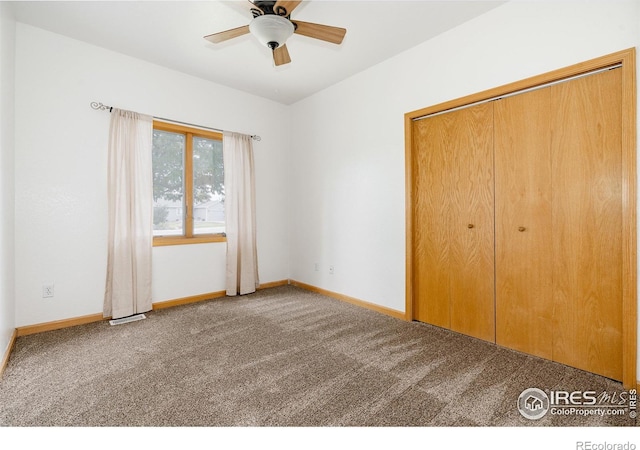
[(288, 6), (322, 32), (281, 55), (222, 36)]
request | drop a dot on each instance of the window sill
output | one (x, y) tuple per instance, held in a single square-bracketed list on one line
[(160, 241)]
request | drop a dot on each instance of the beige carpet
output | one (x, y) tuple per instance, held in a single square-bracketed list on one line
[(281, 357)]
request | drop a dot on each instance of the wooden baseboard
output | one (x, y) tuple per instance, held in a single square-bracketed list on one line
[(273, 284), (354, 301), (58, 324), (65, 323), (210, 296), (187, 300), (5, 358)]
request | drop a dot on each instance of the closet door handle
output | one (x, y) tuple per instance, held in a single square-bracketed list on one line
[(470, 225), (521, 229)]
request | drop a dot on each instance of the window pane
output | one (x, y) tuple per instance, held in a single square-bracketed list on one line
[(208, 186), (168, 183)]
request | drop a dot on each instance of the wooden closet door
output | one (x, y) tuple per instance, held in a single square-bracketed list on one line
[(471, 199), (431, 221), (524, 298), (453, 221), (587, 223)]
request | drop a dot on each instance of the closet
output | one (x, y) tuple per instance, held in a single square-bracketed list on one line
[(517, 221)]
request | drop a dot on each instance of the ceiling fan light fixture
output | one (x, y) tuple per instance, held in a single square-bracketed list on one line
[(271, 30)]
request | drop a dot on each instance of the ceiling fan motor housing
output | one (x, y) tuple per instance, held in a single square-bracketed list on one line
[(271, 30)]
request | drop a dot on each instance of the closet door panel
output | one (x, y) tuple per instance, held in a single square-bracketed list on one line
[(523, 223), (471, 250), (431, 221), (587, 223)]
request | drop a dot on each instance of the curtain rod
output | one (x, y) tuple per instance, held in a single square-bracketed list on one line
[(102, 107)]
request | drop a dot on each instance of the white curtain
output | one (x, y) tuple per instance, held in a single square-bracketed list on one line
[(130, 187), (240, 214)]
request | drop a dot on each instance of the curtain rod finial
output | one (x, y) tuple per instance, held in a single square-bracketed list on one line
[(101, 106)]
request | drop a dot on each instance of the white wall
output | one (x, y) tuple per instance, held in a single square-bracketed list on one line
[(347, 161), (337, 157), (7, 193), (60, 172)]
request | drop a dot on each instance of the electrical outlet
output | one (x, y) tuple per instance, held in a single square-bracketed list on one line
[(317, 267), (330, 270), (47, 290)]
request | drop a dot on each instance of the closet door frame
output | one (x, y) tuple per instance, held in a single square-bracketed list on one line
[(627, 60)]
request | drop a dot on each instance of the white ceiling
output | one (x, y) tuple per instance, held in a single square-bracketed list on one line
[(170, 34)]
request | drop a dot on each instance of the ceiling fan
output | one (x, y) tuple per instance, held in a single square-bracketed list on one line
[(272, 26)]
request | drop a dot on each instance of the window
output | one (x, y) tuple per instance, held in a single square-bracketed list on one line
[(188, 185)]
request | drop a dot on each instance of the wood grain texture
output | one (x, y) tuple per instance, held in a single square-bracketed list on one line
[(470, 199), (327, 33), (523, 223), (281, 55), (431, 221), (453, 188), (222, 36), (409, 310), (587, 223), (629, 221), (627, 59)]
